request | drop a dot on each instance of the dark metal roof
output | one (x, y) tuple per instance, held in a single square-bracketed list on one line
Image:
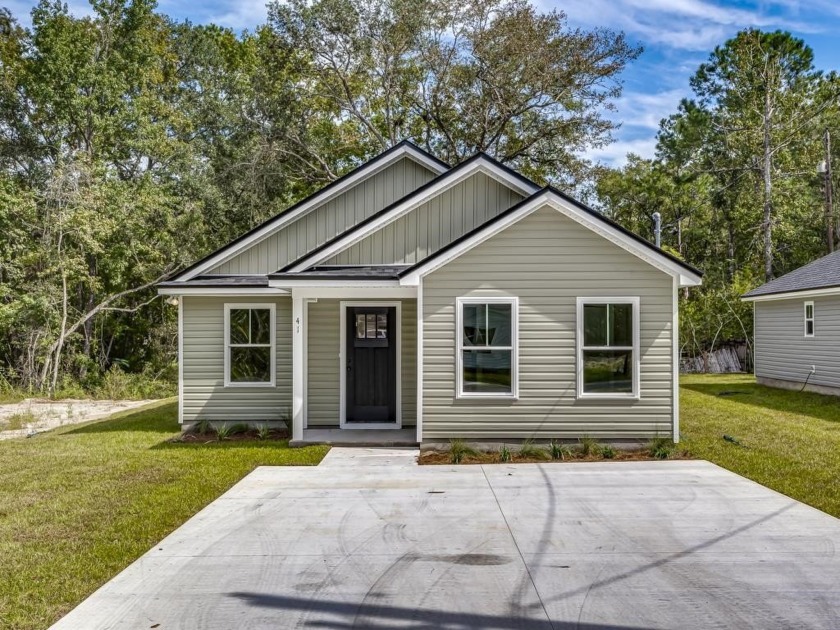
[(822, 273), (219, 281), (346, 272), (415, 193), (571, 200), (319, 192)]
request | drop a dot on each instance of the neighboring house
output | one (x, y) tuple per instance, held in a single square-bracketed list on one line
[(462, 302), (796, 327)]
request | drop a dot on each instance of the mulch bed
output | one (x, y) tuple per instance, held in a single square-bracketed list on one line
[(252, 435), (438, 458)]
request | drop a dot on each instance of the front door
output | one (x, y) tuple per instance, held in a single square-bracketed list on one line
[(371, 394)]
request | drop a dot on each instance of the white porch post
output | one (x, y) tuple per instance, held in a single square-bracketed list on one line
[(298, 340)]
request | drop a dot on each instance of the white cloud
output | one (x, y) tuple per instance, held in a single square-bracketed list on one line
[(644, 110), (615, 154), (679, 24)]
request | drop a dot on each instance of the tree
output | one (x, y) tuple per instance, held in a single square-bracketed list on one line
[(763, 98), (486, 75)]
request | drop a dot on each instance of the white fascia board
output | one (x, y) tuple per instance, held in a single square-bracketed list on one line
[(442, 184), (354, 293), (221, 291), (582, 217), (792, 295), (316, 200)]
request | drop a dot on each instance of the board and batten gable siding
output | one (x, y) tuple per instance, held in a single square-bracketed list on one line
[(432, 225), (547, 260), (783, 352), (204, 391), (328, 220), (323, 395)]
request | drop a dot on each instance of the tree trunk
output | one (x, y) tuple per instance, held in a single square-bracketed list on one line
[(767, 169)]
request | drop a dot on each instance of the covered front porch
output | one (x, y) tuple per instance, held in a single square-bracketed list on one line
[(354, 364)]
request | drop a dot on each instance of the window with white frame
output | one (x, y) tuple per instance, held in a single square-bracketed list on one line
[(809, 319), (249, 344), (608, 347), (487, 353)]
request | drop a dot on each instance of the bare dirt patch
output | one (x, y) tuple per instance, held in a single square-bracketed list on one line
[(36, 415)]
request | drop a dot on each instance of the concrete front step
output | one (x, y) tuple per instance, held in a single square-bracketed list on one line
[(358, 437)]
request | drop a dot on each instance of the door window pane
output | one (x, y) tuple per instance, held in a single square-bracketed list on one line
[(360, 326), (370, 327), (608, 371), (487, 371), (381, 326)]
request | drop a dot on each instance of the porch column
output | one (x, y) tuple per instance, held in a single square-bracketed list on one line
[(298, 340)]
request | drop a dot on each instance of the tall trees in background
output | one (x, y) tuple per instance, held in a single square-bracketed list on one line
[(131, 145), (736, 175)]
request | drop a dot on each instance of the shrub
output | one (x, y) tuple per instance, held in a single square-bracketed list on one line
[(203, 427), (607, 451), (239, 427), (119, 385), (458, 449), (532, 451), (223, 432), (588, 445), (558, 450), (263, 432), (504, 453), (660, 447)]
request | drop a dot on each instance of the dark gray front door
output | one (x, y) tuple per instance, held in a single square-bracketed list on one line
[(371, 364)]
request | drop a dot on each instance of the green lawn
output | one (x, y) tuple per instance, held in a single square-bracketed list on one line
[(79, 504), (790, 441)]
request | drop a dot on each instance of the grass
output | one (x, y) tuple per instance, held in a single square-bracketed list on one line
[(786, 440), (79, 504)]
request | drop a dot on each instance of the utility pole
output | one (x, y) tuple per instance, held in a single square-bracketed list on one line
[(832, 229)]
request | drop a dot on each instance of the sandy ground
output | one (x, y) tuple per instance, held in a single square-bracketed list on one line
[(51, 414)]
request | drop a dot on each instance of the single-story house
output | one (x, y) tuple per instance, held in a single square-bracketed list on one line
[(442, 302), (796, 328)]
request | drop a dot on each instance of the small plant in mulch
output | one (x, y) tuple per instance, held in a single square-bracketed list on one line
[(460, 452), (529, 450), (661, 447), (559, 451), (588, 445), (458, 449), (504, 453), (607, 451), (204, 432)]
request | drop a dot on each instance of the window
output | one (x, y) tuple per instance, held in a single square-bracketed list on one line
[(809, 319), (249, 345), (487, 353), (608, 347)]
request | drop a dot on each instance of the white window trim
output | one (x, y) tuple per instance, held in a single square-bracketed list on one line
[(637, 361), (806, 319), (514, 347), (273, 317)]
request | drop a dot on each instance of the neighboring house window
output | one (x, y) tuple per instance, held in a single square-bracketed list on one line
[(809, 319), (487, 352), (249, 345), (608, 347)]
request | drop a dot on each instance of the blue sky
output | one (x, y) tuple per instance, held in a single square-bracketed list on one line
[(677, 36)]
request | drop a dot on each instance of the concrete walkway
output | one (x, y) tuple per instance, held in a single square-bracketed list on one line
[(364, 542)]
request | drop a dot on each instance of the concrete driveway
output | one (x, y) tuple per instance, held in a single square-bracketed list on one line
[(377, 542)]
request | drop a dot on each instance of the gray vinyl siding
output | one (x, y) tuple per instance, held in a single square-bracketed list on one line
[(204, 393), (432, 225), (323, 345), (783, 352), (328, 220), (547, 261)]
